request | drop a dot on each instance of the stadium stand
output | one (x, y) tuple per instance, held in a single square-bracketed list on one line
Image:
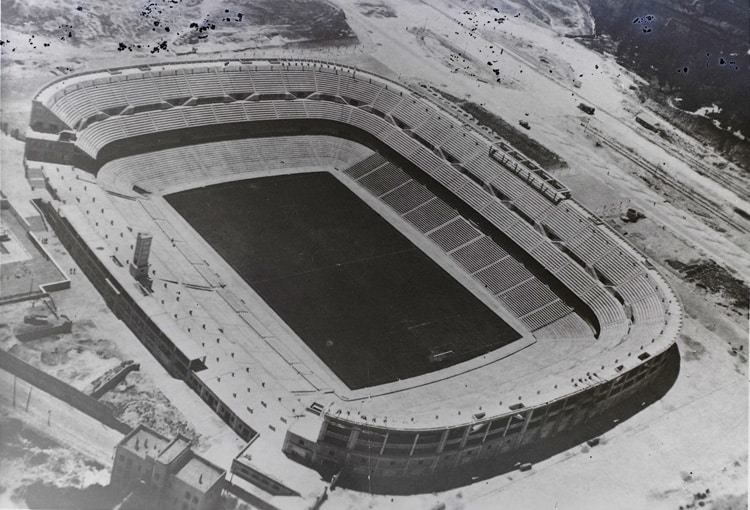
[(630, 301), (183, 167)]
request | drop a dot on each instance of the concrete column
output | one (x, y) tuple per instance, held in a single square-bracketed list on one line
[(525, 426), (414, 444), (352, 439), (465, 438), (443, 439)]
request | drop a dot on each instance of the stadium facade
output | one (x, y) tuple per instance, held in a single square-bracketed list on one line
[(596, 318)]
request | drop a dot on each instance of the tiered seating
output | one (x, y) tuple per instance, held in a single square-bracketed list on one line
[(370, 123), (564, 222), (328, 83), (604, 305), (447, 176), (339, 152), (479, 254), (488, 172), (533, 204), (236, 81), (547, 314), (200, 115), (412, 111), (467, 191), (138, 124), (324, 110), (576, 279), (454, 234), (229, 112), (570, 326), (648, 311), (386, 100), (365, 166), (402, 142), (204, 83), (482, 168), (636, 288), (282, 151), (74, 106), (140, 91), (358, 89), (510, 184), (501, 216), (267, 81), (524, 236), (106, 93), (91, 139), (384, 179), (407, 197), (172, 86), (527, 297), (463, 146), (550, 257), (431, 215), (182, 167), (426, 159), (502, 275), (590, 247), (436, 130), (618, 266), (290, 109), (299, 80), (258, 110)]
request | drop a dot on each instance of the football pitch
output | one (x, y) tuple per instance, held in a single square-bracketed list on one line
[(370, 304)]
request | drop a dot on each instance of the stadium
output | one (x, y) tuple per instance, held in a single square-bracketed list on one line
[(353, 274)]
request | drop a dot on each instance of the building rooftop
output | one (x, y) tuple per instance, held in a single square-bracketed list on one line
[(145, 442), (264, 456), (199, 473), (173, 450)]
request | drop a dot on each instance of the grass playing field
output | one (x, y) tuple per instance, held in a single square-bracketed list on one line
[(368, 302)]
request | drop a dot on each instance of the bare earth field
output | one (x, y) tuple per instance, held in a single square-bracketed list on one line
[(687, 450)]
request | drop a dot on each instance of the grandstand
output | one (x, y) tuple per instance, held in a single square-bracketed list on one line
[(595, 318)]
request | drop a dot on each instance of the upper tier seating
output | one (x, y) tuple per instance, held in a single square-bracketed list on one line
[(108, 106)]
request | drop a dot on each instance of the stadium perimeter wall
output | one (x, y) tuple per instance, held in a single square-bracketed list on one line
[(412, 459)]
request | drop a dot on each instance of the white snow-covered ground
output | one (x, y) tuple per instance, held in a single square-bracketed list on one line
[(548, 103)]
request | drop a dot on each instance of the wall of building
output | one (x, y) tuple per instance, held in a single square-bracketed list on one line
[(268, 484), (129, 468), (380, 453)]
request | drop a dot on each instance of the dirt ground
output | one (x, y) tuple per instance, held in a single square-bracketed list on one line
[(687, 450)]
